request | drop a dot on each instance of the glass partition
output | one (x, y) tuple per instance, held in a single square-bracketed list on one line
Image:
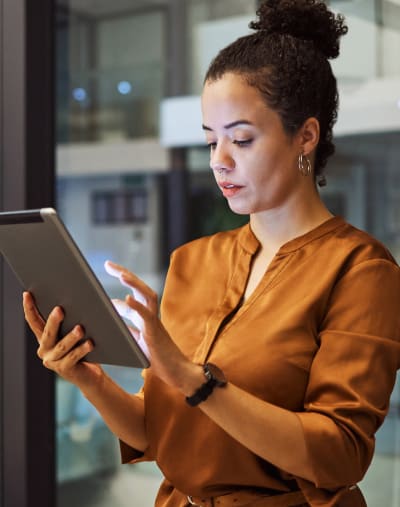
[(110, 80)]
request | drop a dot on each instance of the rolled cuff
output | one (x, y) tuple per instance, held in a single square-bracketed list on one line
[(338, 458)]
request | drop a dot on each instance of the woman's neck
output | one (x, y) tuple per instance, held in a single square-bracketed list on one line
[(274, 228)]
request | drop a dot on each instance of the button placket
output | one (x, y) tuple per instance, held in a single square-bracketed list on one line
[(233, 295)]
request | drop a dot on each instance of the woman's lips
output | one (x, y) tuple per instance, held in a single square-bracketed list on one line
[(229, 189)]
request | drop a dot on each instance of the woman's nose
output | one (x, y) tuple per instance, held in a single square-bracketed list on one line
[(221, 160)]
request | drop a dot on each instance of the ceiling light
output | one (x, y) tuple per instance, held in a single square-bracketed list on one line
[(124, 87)]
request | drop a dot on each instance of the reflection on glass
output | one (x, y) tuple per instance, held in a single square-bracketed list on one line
[(110, 80)]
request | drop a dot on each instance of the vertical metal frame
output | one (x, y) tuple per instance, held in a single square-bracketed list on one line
[(1, 274), (177, 202), (27, 181), (13, 137)]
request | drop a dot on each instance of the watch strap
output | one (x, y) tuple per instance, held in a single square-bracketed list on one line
[(204, 391)]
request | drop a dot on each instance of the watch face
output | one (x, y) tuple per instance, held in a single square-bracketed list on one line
[(213, 372)]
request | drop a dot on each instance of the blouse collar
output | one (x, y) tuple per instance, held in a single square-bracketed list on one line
[(251, 244)]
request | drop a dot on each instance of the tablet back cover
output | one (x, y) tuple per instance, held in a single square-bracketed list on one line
[(48, 264)]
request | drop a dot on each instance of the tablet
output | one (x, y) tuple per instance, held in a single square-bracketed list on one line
[(48, 263)]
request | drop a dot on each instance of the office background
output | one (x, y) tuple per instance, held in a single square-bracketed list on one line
[(96, 99)]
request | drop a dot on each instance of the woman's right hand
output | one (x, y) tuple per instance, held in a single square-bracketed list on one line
[(61, 356), (122, 412)]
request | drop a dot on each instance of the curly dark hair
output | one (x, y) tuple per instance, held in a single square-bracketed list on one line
[(286, 59)]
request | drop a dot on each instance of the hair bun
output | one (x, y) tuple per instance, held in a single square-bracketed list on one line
[(303, 19)]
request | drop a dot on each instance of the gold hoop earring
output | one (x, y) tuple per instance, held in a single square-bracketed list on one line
[(304, 165)]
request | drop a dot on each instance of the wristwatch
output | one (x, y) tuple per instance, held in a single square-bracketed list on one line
[(214, 378)]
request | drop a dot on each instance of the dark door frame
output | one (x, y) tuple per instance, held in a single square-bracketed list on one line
[(26, 181)]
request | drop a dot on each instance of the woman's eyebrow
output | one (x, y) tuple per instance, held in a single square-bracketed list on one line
[(230, 125)]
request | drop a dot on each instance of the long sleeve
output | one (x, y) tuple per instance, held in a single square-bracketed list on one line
[(353, 373)]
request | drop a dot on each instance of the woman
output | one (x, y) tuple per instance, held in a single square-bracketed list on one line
[(277, 349)]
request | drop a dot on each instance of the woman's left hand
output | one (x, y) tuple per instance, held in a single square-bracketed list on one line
[(141, 308), (232, 409)]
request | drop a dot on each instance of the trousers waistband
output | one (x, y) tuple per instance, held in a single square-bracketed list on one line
[(242, 498)]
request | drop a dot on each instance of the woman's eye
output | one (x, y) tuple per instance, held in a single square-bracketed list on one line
[(212, 145), (244, 142)]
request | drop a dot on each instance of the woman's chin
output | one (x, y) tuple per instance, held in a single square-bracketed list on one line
[(239, 210)]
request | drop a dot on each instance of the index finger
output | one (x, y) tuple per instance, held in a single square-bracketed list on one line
[(141, 291), (32, 315), (119, 271)]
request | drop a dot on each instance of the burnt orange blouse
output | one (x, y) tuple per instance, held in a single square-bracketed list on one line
[(320, 336)]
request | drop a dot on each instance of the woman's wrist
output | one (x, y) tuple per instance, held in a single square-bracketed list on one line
[(190, 378), (94, 385)]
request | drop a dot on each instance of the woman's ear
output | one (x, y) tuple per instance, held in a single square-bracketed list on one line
[(309, 135)]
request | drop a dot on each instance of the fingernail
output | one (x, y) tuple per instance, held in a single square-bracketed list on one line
[(77, 331)]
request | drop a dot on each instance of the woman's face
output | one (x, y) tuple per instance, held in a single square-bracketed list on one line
[(253, 159)]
